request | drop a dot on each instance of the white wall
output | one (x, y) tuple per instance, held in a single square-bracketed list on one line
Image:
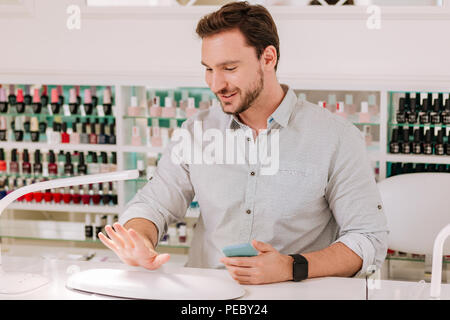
[(320, 47)]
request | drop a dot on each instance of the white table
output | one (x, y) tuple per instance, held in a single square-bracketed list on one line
[(331, 288)]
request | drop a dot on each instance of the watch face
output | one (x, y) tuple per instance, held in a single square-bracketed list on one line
[(300, 267)]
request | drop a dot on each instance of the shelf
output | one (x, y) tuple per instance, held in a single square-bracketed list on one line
[(59, 146), (419, 125), (64, 208), (410, 259), (417, 158), (62, 116)]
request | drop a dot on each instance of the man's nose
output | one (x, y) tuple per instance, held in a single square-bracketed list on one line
[(218, 83)]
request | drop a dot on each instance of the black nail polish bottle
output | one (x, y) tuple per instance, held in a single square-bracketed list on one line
[(394, 146), (431, 167), (424, 117), (401, 114), (439, 146), (417, 144), (408, 168), (428, 145), (436, 114), (446, 113), (441, 168), (412, 113), (420, 167), (37, 165), (406, 145)]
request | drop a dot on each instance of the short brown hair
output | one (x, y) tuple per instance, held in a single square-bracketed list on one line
[(254, 22)]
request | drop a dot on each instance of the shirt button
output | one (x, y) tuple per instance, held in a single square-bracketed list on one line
[(248, 139), (248, 211), (252, 173), (379, 207)]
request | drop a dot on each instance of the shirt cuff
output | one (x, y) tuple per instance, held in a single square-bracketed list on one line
[(139, 212), (363, 247)]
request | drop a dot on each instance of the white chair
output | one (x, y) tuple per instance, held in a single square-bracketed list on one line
[(417, 208)]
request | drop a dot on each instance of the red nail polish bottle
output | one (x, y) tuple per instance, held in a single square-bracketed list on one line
[(96, 197), (76, 197), (65, 137), (85, 197), (67, 197), (52, 166), (57, 196), (48, 197), (38, 196)]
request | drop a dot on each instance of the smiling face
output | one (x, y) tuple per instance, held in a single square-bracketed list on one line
[(233, 72)]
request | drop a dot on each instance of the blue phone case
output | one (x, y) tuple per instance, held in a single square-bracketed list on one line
[(240, 250)]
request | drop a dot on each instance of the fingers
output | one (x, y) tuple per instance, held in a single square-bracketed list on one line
[(124, 234), (262, 246), (119, 243), (107, 242), (245, 262)]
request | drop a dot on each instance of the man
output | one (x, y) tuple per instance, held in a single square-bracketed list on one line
[(319, 215)]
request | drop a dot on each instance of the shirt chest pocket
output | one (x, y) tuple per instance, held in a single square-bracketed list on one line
[(293, 189)]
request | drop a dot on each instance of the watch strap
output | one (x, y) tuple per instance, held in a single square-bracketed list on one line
[(299, 267)]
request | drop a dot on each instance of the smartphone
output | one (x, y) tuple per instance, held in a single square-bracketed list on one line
[(240, 250)]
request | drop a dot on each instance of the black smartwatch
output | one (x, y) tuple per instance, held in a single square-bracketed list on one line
[(299, 267)]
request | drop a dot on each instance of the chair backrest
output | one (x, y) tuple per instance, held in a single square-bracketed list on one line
[(417, 207)]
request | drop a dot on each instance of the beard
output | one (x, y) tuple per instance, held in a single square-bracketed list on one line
[(249, 96)]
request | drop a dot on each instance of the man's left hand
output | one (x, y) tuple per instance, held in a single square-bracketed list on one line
[(267, 267)]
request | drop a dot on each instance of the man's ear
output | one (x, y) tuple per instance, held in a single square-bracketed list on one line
[(269, 58)]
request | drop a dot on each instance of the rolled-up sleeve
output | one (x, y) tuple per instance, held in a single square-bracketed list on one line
[(355, 201), (166, 197)]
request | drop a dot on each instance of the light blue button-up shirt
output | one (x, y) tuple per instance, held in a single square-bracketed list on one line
[(323, 192)]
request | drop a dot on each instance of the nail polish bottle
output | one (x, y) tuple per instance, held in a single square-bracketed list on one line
[(190, 109), (37, 165), (55, 106), (406, 144), (113, 165), (431, 167), (26, 128), (181, 228), (59, 89), (3, 101), (340, 109), (88, 231), (48, 196), (13, 164), (36, 105), (151, 167), (428, 145), (27, 99), (364, 116), (446, 113), (141, 168), (52, 166), (61, 158), (12, 100), (68, 166), (417, 144), (67, 196), (420, 167), (75, 192), (20, 104), (135, 136), (436, 113), (169, 109), (74, 136), (29, 196), (97, 225), (424, 115), (107, 101), (156, 138), (3, 165), (106, 197), (18, 129), (93, 166), (85, 197), (104, 167), (447, 145), (367, 135), (96, 196), (34, 129), (92, 134), (322, 104), (155, 109), (112, 134), (3, 128), (65, 137), (87, 106), (26, 165), (411, 115), (57, 195), (84, 136), (133, 109), (439, 146), (73, 101), (44, 97), (81, 168), (19, 183), (102, 137), (113, 193), (401, 114)]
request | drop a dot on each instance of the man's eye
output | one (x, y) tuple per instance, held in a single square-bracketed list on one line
[(208, 69), (230, 69)]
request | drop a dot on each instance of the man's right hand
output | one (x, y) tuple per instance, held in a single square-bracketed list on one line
[(132, 248)]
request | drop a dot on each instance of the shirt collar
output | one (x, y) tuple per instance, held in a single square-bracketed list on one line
[(281, 114)]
